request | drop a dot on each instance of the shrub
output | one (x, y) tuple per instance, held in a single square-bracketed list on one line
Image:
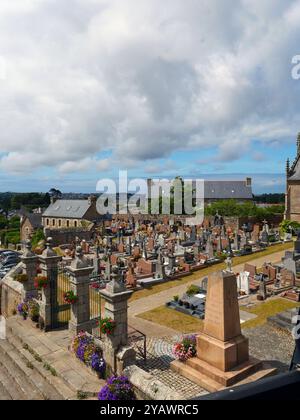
[(176, 298), (118, 388), (193, 290)]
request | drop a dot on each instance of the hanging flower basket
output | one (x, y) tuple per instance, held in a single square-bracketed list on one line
[(70, 298), (21, 278), (40, 282), (107, 326)]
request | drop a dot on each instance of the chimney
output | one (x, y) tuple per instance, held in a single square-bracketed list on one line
[(249, 182), (92, 200)]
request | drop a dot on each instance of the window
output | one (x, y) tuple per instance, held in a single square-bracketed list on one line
[(75, 223), (47, 222), (68, 223), (53, 222), (59, 223)]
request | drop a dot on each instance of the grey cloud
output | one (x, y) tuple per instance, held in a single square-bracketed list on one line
[(144, 79)]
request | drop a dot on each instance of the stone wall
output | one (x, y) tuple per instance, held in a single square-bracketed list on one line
[(68, 236), (10, 294), (148, 388)]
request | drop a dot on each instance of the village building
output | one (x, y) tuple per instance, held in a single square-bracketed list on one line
[(29, 224), (70, 214), (292, 201), (214, 191)]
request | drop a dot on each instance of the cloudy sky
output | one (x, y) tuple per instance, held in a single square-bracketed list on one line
[(161, 88)]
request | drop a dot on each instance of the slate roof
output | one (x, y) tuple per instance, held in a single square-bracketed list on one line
[(72, 209), (225, 190)]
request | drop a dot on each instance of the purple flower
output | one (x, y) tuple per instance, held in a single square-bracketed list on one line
[(98, 363), (118, 388)]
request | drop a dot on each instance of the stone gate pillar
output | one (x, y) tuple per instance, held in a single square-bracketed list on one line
[(29, 260), (49, 265), (116, 298), (79, 272)]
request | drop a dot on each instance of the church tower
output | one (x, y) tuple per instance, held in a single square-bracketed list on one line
[(292, 199)]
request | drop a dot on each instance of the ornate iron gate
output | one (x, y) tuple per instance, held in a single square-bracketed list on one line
[(59, 285)]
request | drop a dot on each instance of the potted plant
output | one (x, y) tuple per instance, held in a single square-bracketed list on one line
[(117, 388), (34, 311), (70, 297), (21, 278), (23, 309), (107, 326), (40, 282)]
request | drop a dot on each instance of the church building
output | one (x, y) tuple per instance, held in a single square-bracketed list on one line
[(292, 200)]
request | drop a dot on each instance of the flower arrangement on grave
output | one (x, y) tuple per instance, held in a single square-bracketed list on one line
[(117, 388), (70, 297), (21, 277), (40, 282), (107, 325), (85, 349), (186, 348), (23, 309)]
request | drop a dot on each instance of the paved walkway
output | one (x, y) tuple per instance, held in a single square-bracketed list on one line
[(159, 299)]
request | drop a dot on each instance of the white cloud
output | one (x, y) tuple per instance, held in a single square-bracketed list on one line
[(143, 79)]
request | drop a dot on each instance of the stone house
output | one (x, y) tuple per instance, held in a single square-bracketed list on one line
[(292, 199), (29, 224), (70, 214)]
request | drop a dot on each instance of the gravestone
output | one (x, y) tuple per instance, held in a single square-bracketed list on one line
[(244, 282), (290, 265), (222, 351), (288, 278)]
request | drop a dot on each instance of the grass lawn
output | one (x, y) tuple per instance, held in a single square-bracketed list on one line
[(170, 318), (187, 324), (264, 310), (202, 273)]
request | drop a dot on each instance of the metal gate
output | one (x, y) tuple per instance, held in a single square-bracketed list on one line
[(59, 285)]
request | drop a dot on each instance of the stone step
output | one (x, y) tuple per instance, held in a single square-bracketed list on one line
[(71, 378), (10, 386), (28, 367), (4, 395), (198, 378), (225, 378), (19, 372), (52, 387)]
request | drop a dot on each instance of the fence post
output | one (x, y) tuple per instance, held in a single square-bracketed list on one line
[(49, 265), (116, 307), (29, 260), (79, 272)]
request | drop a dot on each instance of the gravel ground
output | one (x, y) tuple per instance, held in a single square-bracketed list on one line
[(269, 343)]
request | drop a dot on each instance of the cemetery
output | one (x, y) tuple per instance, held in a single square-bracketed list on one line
[(69, 309)]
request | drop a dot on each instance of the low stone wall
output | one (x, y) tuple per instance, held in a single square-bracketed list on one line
[(68, 236), (148, 388), (10, 294)]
